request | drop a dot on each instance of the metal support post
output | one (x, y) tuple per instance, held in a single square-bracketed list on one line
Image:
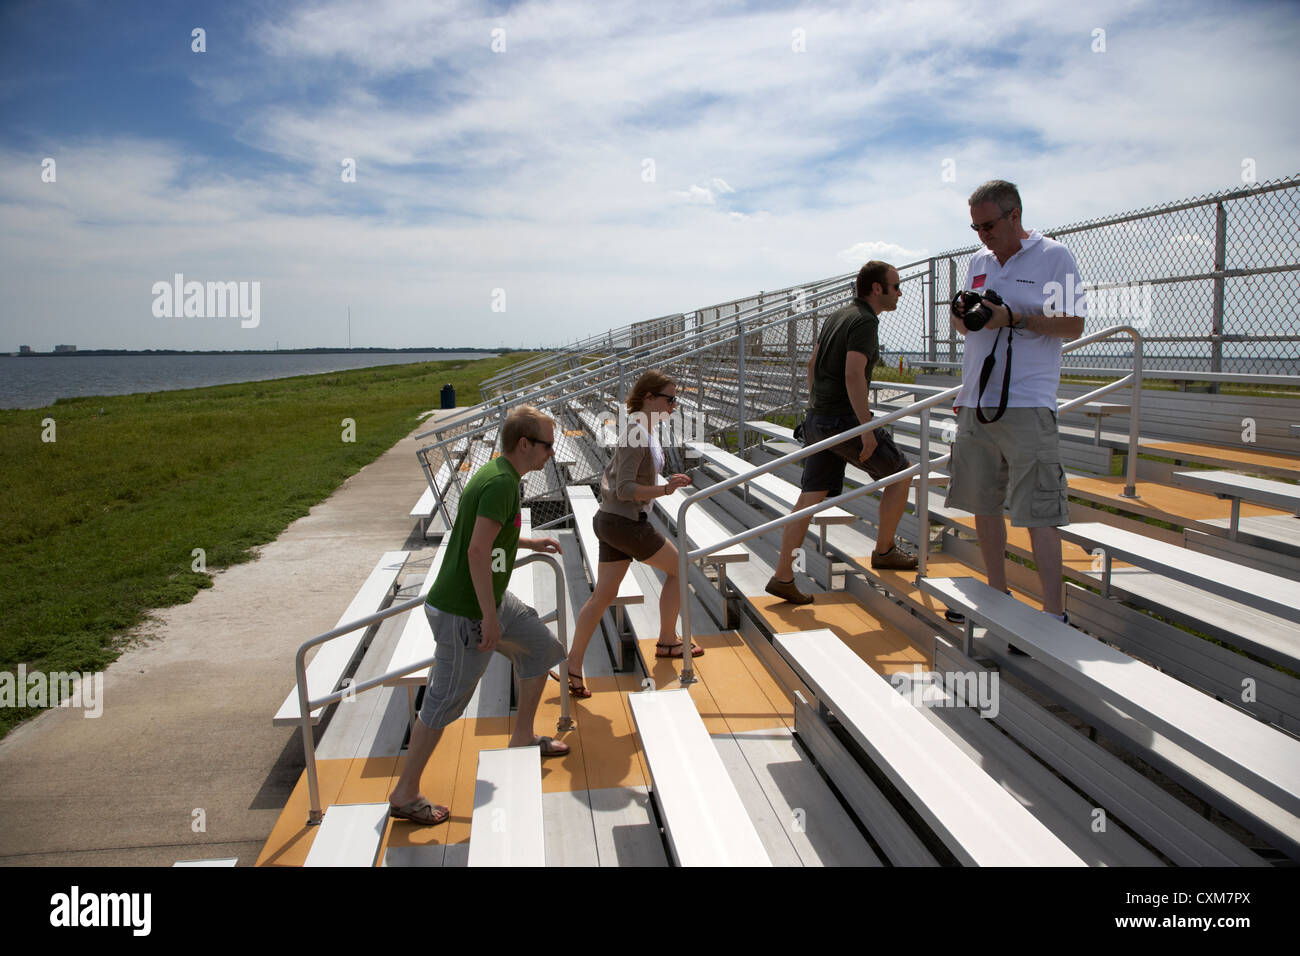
[(740, 396), (1220, 262), (923, 496)]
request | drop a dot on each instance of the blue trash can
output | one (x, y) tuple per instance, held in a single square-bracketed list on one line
[(448, 396)]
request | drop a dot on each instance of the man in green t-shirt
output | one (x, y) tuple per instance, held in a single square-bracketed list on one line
[(839, 380), (473, 615)]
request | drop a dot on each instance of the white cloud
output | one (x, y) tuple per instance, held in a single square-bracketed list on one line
[(860, 252), (523, 169)]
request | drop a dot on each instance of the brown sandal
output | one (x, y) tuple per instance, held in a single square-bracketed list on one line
[(420, 811), (675, 650), (579, 690)]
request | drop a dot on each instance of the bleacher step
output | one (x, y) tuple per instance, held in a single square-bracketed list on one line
[(1268, 592), (506, 829), (1261, 756), (979, 822), (350, 835), (703, 816), (332, 660)]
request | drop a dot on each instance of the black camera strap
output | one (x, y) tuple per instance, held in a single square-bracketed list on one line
[(987, 372)]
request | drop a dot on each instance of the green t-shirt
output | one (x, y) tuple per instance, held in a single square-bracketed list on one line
[(853, 328), (493, 492)]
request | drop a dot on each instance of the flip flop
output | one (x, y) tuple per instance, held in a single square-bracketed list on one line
[(675, 650), (420, 811), (547, 747)]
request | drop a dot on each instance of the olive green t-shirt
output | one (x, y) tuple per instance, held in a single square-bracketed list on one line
[(853, 328), (493, 492)]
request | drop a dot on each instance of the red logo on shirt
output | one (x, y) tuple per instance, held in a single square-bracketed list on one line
[(978, 281), (519, 519)]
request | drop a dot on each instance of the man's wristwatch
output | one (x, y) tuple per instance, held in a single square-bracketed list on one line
[(1018, 321)]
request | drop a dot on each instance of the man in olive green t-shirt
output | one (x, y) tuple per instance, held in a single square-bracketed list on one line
[(473, 615), (839, 381)]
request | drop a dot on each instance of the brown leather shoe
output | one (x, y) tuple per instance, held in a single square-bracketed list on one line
[(787, 591), (895, 559)]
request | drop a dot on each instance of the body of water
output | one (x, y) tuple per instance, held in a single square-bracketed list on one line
[(34, 381)]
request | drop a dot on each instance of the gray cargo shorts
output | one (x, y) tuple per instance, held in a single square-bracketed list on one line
[(459, 663), (1017, 456)]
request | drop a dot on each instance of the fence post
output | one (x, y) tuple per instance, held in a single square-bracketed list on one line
[(792, 343), (1220, 263), (952, 290), (740, 395), (932, 351)]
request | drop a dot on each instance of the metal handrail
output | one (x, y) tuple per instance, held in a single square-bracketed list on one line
[(580, 350), (922, 467), (584, 386), (767, 313), (305, 706)]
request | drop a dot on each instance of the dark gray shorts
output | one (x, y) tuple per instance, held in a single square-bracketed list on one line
[(459, 664), (622, 539), (824, 471)]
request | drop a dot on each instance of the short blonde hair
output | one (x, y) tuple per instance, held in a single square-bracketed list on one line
[(649, 382), (522, 422)]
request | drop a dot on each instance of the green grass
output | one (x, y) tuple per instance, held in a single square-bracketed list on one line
[(98, 527)]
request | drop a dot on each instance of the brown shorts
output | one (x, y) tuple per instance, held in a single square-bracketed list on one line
[(622, 539)]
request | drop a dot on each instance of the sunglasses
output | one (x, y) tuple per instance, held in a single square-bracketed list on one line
[(986, 226), (537, 441), (672, 399)]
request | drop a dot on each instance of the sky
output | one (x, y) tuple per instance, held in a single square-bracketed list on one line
[(526, 174)]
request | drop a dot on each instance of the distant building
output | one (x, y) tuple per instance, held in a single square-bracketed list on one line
[(24, 350), (65, 348)]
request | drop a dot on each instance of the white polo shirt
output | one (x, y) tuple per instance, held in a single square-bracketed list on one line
[(1042, 278)]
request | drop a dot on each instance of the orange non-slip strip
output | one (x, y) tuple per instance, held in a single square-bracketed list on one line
[(904, 582), (885, 648), (1072, 556), (340, 781), (735, 693), (741, 694), (1271, 459), (1168, 500)]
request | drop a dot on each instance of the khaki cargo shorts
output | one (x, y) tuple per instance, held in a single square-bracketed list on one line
[(1018, 457)]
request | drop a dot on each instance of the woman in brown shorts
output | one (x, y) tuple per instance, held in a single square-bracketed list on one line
[(628, 486)]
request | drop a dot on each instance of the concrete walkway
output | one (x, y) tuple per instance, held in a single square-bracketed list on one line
[(184, 763)]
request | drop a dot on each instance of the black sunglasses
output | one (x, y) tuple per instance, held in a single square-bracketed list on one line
[(986, 226), (672, 399), (538, 441)]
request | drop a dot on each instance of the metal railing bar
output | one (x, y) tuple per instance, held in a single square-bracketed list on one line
[(684, 554), (306, 706)]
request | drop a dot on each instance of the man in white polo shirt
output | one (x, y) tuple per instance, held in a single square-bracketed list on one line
[(1014, 448)]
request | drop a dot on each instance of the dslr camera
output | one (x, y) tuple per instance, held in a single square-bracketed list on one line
[(976, 312)]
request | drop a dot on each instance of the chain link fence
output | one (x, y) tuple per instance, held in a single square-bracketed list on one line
[(1209, 282)]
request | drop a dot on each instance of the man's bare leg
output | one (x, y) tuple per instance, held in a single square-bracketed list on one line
[(423, 741), (792, 535), (530, 695), (892, 502), (992, 533), (1046, 543)]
